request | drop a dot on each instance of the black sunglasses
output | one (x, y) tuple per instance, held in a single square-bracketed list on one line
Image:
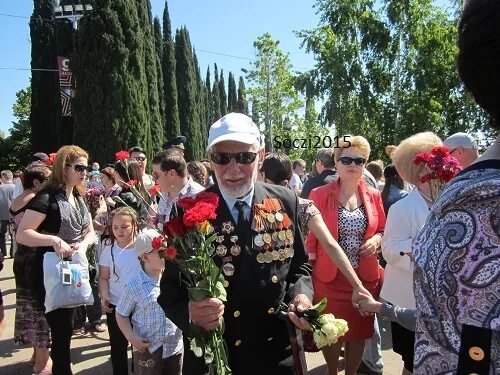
[(78, 167), (347, 160), (224, 158)]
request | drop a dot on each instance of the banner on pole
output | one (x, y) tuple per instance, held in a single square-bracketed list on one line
[(66, 85)]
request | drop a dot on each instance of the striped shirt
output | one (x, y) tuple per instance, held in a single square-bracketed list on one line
[(148, 319)]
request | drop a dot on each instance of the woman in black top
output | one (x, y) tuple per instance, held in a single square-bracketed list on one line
[(31, 327), (56, 219)]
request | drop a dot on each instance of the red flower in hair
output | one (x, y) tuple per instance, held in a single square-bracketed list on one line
[(121, 155), (200, 212), (157, 242), (154, 190), (50, 160), (170, 252), (174, 227)]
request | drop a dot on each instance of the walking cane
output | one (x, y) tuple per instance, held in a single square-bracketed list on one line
[(297, 347)]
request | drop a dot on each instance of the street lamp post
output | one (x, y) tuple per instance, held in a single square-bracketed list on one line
[(71, 12)]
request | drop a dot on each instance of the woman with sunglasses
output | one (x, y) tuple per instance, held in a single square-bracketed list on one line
[(57, 220), (354, 214)]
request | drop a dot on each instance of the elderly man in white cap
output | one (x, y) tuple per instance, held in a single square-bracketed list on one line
[(463, 147), (261, 253)]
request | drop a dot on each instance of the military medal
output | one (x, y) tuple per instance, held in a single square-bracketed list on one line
[(268, 258), (228, 269), (221, 250), (282, 235), (260, 258), (275, 255), (267, 238), (258, 240), (235, 250), (279, 216), (274, 236), (234, 239), (220, 239), (270, 217), (227, 227), (282, 254), (289, 233)]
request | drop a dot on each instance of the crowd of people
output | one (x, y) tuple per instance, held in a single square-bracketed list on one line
[(376, 240)]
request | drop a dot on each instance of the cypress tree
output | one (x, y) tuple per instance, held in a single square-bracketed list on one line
[(114, 106), (200, 100), (172, 124), (222, 94), (208, 90), (159, 53), (216, 114), (242, 105), (187, 87), (232, 97), (45, 94)]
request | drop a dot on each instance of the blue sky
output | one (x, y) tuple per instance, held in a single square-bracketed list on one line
[(223, 26)]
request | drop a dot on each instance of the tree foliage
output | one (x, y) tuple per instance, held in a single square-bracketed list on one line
[(387, 70)]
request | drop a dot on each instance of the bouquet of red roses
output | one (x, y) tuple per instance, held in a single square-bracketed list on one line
[(188, 241), (442, 167)]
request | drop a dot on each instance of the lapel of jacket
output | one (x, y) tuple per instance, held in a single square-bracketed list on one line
[(331, 207)]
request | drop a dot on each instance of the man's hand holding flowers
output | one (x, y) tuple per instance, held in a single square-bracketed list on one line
[(206, 313), (298, 305)]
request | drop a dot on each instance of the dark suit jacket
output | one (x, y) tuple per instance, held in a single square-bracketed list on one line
[(257, 340), (323, 178)]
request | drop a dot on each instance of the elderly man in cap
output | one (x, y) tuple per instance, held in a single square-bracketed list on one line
[(261, 253), (175, 144), (463, 147)]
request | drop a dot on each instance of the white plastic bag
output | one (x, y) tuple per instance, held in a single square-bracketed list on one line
[(59, 295)]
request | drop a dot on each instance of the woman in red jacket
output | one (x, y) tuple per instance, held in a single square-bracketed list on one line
[(354, 214)]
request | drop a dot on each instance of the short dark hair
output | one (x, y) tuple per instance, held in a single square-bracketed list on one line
[(327, 157), (34, 172), (136, 149), (277, 168), (479, 57), (197, 171), (168, 160), (298, 162)]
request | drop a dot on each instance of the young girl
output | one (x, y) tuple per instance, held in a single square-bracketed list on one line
[(118, 264)]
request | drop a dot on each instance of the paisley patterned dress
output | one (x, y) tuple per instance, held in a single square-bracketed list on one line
[(457, 270)]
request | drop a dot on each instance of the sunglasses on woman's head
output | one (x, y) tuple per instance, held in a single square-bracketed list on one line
[(140, 158), (78, 167), (223, 158), (347, 160)]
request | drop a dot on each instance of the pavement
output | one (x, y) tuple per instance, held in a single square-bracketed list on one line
[(90, 352)]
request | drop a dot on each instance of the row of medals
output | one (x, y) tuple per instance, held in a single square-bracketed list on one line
[(277, 238)]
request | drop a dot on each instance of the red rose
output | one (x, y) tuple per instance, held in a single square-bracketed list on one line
[(121, 155), (199, 213), (208, 197), (186, 202), (157, 242), (174, 227), (48, 162), (170, 252), (154, 190)]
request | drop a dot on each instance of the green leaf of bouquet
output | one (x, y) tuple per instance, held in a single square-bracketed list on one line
[(220, 291), (209, 355), (211, 239), (320, 306), (197, 347), (198, 294)]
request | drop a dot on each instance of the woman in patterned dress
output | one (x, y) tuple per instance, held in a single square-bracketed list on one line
[(457, 271), (354, 215), (31, 327)]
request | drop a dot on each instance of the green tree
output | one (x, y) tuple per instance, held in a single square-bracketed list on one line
[(241, 104), (187, 84), (172, 125), (232, 94), (273, 95), (116, 103), (45, 84), (15, 150), (222, 94), (159, 73), (216, 112)]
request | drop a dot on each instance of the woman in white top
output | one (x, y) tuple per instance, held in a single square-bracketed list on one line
[(404, 220), (118, 264)]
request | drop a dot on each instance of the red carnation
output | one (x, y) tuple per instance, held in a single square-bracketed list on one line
[(199, 213), (154, 190), (170, 252), (186, 202), (174, 227), (157, 242), (121, 155), (208, 197), (131, 183)]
